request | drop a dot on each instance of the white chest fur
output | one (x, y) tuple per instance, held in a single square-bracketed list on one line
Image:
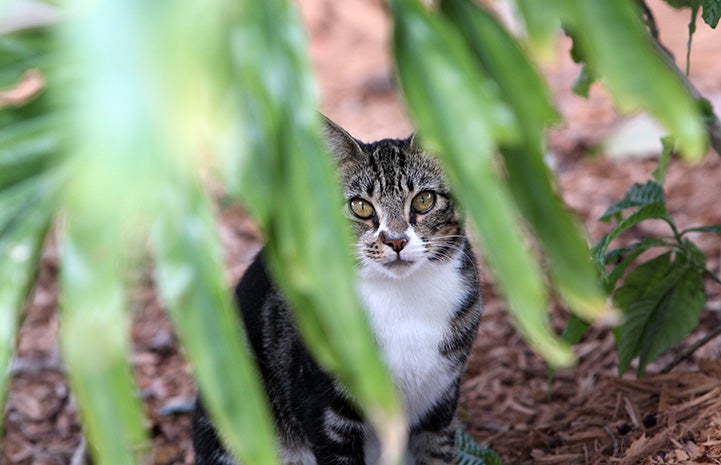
[(409, 318)]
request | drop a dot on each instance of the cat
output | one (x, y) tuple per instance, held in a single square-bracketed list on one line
[(419, 285)]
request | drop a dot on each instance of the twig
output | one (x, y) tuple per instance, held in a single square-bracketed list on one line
[(613, 440), (688, 351), (649, 19)]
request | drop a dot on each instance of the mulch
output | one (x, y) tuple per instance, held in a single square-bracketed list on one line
[(584, 415)]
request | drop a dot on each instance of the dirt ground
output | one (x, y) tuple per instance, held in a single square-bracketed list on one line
[(585, 415)]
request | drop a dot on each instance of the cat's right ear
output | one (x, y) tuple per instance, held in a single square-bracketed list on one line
[(342, 145)]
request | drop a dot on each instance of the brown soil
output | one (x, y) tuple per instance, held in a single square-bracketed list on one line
[(585, 415)]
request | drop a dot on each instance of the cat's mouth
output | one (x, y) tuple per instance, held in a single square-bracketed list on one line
[(399, 263)]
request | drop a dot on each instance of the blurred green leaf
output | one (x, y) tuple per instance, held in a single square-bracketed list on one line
[(24, 50), (614, 41), (668, 145), (543, 22), (582, 85), (27, 149), (442, 86), (20, 244), (308, 249), (94, 315), (189, 271), (505, 63)]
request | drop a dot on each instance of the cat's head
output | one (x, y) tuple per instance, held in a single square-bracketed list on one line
[(398, 201)]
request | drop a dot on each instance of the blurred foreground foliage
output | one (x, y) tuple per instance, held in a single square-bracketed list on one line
[(112, 112)]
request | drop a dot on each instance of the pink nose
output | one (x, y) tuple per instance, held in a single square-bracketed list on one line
[(397, 243)]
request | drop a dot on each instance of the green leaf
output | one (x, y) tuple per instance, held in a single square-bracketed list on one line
[(271, 105), (472, 453), (711, 12), (585, 78), (94, 315), (441, 86), (24, 50), (622, 258), (575, 329), (614, 41), (501, 58), (661, 300), (647, 211), (26, 149), (638, 297), (715, 228), (637, 196), (189, 274), (571, 268), (20, 246), (543, 21), (674, 318)]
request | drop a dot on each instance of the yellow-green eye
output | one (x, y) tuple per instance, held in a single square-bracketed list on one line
[(423, 202), (361, 208)]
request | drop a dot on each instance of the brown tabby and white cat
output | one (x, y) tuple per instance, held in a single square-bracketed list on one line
[(418, 282)]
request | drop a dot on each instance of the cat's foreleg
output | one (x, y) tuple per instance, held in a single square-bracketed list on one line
[(337, 437), (434, 447), (433, 441)]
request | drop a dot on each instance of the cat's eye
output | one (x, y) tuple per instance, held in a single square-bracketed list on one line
[(423, 202), (361, 208)]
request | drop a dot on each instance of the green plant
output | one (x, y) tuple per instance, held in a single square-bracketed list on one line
[(139, 95), (662, 297)]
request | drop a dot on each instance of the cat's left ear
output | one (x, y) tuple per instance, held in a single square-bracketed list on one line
[(341, 144)]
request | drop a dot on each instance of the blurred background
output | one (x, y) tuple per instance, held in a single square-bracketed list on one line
[(584, 415)]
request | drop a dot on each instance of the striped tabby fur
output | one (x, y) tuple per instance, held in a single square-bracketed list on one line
[(418, 282)]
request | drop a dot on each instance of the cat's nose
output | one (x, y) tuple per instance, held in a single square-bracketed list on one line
[(394, 242)]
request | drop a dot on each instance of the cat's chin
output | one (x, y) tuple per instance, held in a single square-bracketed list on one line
[(395, 269)]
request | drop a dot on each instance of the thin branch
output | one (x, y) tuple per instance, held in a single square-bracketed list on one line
[(688, 351), (649, 19)]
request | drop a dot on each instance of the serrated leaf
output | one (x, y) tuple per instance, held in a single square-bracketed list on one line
[(674, 318), (622, 258), (638, 298), (472, 453), (643, 295), (636, 196), (648, 211), (711, 12)]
